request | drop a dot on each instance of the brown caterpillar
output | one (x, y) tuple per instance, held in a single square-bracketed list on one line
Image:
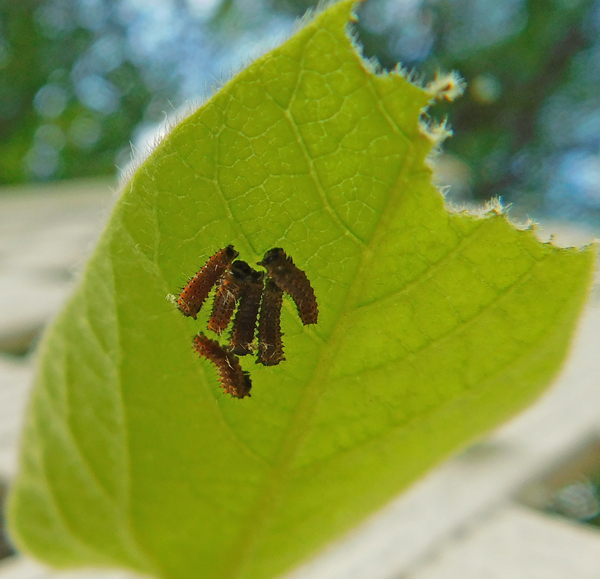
[(270, 346), (228, 292), (292, 281), (244, 323), (233, 379), (196, 291)]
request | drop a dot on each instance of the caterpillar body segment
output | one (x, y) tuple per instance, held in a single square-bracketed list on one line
[(270, 344), (229, 290), (195, 292), (244, 323), (233, 379), (293, 281)]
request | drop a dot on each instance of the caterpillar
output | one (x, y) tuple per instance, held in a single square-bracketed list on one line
[(270, 346), (293, 281), (228, 292), (244, 323), (195, 292), (233, 379)]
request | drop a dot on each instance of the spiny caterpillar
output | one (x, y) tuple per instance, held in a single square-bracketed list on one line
[(229, 289), (244, 323), (270, 345), (293, 281), (233, 379), (195, 292)]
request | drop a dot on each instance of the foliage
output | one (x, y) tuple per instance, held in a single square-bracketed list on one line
[(69, 97)]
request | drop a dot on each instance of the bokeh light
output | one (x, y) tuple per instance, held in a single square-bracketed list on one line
[(81, 79)]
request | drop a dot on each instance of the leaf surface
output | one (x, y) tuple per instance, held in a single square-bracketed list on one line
[(434, 327)]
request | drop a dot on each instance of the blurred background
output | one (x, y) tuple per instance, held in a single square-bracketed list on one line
[(82, 79), (84, 83)]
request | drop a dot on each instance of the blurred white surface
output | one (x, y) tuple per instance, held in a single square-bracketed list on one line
[(461, 521), (15, 380), (46, 233), (23, 568), (517, 543)]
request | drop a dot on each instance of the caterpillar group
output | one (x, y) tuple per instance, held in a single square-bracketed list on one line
[(258, 297)]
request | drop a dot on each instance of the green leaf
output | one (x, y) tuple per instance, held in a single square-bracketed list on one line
[(435, 326)]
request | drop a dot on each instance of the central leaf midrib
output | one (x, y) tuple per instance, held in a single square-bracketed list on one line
[(259, 518)]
